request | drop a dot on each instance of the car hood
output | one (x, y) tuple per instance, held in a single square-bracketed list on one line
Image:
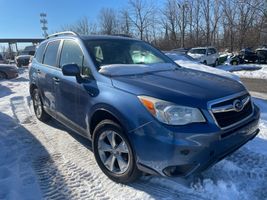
[(182, 86), (205, 68)]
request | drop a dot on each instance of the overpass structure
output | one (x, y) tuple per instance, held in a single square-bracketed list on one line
[(15, 41)]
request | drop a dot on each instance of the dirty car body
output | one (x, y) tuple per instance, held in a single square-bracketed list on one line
[(178, 121)]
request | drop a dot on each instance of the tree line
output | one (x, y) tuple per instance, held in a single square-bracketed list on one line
[(225, 24)]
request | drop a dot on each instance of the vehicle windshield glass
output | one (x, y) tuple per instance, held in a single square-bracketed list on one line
[(197, 51), (120, 51)]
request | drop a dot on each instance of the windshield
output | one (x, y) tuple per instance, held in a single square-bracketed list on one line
[(120, 51), (197, 51)]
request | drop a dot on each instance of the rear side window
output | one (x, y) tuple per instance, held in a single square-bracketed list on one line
[(50, 57), (40, 52), (211, 51)]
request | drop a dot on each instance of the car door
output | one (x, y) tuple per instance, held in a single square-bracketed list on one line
[(213, 56), (68, 89), (46, 72)]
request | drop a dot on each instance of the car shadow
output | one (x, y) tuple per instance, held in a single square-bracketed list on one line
[(82, 140), (19, 147), (4, 91)]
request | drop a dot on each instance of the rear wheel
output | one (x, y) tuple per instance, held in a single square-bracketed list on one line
[(3, 76), (114, 153), (38, 107), (19, 64), (216, 63)]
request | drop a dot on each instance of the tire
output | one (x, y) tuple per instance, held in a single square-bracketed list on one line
[(3, 76), (19, 64), (108, 136), (234, 63), (216, 63), (38, 107)]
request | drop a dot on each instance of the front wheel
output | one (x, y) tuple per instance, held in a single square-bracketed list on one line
[(113, 152), (38, 107)]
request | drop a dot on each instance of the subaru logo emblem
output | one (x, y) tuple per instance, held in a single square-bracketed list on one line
[(238, 105)]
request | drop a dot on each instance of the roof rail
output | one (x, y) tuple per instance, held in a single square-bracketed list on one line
[(122, 35), (62, 33)]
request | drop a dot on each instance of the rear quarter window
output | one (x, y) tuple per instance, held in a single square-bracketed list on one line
[(40, 52)]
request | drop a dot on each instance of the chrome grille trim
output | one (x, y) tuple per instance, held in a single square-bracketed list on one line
[(230, 107), (220, 100)]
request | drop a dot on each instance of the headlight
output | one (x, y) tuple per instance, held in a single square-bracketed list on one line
[(170, 113)]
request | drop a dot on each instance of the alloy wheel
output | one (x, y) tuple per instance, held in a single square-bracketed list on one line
[(113, 152)]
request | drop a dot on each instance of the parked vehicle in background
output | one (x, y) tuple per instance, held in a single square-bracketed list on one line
[(247, 55), (181, 50), (186, 61), (8, 71), (2, 61), (140, 109), (205, 55), (223, 57), (235, 60), (262, 55), (24, 56)]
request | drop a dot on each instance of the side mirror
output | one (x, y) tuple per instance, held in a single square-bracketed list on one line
[(71, 70)]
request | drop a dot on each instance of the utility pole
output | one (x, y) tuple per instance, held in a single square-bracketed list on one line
[(44, 23)]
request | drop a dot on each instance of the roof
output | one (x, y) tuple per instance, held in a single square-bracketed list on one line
[(202, 47), (105, 37), (15, 40), (66, 34), (261, 49)]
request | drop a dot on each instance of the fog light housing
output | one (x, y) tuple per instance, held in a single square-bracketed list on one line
[(179, 170)]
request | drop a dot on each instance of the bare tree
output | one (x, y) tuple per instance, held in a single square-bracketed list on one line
[(232, 24), (125, 22), (206, 13), (82, 26), (141, 15), (229, 22), (197, 21), (108, 21), (170, 19), (246, 17)]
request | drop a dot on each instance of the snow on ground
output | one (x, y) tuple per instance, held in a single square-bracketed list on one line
[(258, 71), (48, 160)]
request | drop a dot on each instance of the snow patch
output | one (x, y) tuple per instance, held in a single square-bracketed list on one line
[(133, 69), (258, 71)]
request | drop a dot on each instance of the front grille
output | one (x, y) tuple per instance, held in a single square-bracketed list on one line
[(229, 117)]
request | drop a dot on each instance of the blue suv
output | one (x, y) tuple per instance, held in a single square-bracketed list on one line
[(142, 111)]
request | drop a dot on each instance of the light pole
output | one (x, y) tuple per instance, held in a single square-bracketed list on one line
[(44, 23)]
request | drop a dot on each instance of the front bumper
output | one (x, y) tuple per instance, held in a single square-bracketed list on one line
[(170, 151)]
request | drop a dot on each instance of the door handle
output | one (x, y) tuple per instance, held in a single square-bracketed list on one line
[(56, 79)]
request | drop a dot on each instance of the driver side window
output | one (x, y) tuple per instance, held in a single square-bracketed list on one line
[(72, 54)]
